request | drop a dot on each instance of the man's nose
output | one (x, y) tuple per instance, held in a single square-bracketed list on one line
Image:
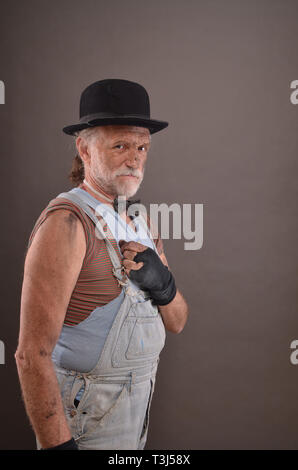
[(133, 159)]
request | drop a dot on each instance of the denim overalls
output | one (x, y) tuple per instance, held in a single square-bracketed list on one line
[(114, 406)]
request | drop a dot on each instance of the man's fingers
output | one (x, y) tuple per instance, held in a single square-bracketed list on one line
[(129, 254), (128, 265), (129, 251), (132, 246), (132, 264)]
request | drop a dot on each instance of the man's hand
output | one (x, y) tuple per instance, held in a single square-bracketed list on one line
[(129, 251), (144, 266), (174, 313)]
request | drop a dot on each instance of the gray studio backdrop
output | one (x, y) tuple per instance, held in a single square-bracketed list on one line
[(220, 73)]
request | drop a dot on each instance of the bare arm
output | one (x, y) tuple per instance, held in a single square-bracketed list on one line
[(53, 263), (174, 314)]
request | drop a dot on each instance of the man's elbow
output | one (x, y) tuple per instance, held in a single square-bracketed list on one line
[(175, 328), (27, 358), (24, 360), (179, 329)]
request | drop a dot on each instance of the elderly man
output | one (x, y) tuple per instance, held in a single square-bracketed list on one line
[(97, 295)]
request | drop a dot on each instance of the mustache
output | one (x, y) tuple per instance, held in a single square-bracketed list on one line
[(136, 173)]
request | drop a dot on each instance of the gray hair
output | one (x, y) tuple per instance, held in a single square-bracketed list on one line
[(77, 172), (87, 134)]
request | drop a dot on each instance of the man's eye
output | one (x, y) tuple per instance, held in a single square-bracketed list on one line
[(119, 145)]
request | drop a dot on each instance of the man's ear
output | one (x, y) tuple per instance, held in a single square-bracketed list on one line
[(83, 149)]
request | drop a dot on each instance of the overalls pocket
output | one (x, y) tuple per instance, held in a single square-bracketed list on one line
[(141, 337), (98, 404)]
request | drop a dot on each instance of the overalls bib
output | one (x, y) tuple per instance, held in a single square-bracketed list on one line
[(113, 412)]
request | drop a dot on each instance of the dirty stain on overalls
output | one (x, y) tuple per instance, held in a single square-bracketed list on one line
[(113, 411)]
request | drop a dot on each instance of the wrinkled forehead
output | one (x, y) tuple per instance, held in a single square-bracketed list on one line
[(124, 131)]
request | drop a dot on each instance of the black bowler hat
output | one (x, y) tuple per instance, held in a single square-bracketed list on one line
[(115, 101)]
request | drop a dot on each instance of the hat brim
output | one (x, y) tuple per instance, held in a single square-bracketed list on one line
[(151, 124)]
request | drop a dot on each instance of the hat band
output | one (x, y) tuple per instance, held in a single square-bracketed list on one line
[(92, 117)]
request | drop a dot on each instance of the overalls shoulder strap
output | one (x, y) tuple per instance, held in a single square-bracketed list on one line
[(118, 269), (143, 233)]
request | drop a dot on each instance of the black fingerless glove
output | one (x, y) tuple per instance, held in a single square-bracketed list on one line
[(154, 277), (68, 445)]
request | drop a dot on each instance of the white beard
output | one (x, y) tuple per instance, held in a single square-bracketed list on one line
[(110, 182)]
